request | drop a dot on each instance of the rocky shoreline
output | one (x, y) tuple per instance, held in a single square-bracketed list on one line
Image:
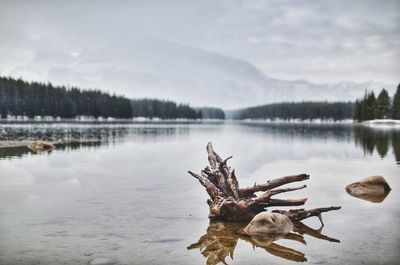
[(11, 144), (25, 143)]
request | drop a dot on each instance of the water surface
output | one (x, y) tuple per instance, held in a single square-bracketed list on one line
[(121, 191)]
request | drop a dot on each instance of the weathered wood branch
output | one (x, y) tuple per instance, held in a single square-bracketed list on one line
[(277, 191), (230, 202), (266, 196), (279, 202), (213, 158), (301, 214), (273, 184), (212, 190)]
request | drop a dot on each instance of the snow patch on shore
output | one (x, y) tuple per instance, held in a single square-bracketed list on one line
[(382, 123)]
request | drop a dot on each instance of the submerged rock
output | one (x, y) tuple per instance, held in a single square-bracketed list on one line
[(266, 224), (101, 261), (40, 146), (373, 189)]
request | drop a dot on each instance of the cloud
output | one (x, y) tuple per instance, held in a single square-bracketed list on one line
[(321, 41), (179, 72)]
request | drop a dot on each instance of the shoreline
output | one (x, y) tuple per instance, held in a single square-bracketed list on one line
[(24, 143), (12, 144), (381, 122), (157, 120)]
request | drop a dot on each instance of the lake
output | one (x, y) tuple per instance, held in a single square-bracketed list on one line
[(121, 191)]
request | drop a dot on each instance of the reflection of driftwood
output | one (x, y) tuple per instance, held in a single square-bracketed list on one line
[(222, 237), (230, 202), (303, 229), (219, 241), (296, 237), (275, 249)]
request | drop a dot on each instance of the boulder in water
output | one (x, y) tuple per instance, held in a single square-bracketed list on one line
[(267, 224), (373, 189)]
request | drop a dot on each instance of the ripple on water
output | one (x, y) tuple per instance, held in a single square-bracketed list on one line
[(102, 261), (163, 241)]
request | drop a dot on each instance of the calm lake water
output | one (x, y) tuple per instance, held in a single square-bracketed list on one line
[(125, 194)]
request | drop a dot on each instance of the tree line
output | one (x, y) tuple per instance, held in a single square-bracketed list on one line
[(307, 110), (211, 113), (18, 97), (381, 107), (164, 109), (21, 98)]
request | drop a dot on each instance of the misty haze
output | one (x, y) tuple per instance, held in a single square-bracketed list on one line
[(199, 132)]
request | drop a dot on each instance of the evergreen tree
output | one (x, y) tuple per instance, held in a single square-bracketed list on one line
[(151, 108), (18, 97), (357, 110), (369, 108), (382, 110), (211, 113), (396, 104)]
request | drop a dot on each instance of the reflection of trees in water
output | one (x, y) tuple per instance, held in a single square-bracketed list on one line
[(72, 137), (61, 134), (84, 133), (382, 145), (78, 145), (157, 133), (396, 146), (14, 152), (307, 131), (222, 237), (21, 151), (371, 139)]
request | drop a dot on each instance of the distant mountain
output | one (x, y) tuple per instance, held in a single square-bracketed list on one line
[(299, 90), (157, 69)]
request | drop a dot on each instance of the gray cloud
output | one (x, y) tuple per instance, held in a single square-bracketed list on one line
[(136, 47)]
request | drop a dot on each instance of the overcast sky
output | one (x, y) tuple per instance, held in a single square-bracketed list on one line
[(319, 41)]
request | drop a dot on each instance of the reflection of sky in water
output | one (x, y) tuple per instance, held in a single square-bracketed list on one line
[(130, 197)]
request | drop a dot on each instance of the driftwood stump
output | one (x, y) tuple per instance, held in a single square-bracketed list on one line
[(229, 202)]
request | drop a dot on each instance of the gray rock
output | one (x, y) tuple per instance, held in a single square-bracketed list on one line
[(373, 189), (266, 224)]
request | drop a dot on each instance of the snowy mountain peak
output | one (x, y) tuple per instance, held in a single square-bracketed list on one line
[(158, 69)]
